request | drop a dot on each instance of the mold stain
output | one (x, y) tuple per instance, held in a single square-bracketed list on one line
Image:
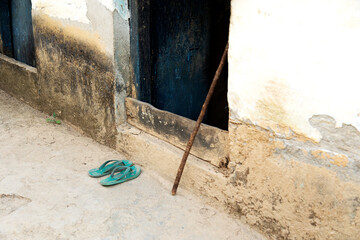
[(272, 110), (271, 105), (76, 78)]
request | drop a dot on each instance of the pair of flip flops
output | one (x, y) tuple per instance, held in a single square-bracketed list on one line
[(120, 171)]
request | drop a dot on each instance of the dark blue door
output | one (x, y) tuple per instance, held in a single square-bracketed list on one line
[(22, 31), (176, 47), (179, 32), (5, 28)]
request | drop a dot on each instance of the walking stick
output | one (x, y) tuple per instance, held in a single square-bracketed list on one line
[(199, 120)]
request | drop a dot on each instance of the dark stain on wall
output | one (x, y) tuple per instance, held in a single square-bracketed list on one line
[(76, 80)]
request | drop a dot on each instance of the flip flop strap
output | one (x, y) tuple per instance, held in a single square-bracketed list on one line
[(121, 169), (118, 169), (105, 163)]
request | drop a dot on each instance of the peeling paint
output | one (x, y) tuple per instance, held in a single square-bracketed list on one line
[(109, 4), (337, 159), (283, 71), (285, 197), (122, 7), (279, 145)]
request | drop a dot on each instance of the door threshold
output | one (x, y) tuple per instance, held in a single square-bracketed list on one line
[(211, 143)]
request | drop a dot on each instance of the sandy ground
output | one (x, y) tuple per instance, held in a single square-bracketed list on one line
[(45, 192)]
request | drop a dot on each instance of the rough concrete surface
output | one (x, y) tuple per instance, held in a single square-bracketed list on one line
[(19, 79), (210, 144), (45, 192), (287, 198)]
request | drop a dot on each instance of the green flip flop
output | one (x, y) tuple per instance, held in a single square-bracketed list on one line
[(121, 174), (107, 167)]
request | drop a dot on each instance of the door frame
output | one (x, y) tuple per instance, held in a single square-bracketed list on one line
[(140, 48), (141, 55)]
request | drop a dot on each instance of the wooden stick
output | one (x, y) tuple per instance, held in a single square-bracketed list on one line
[(199, 120)]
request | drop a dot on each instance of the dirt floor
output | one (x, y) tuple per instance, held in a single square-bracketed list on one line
[(45, 192)]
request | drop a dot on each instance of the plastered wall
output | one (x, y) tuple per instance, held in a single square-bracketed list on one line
[(82, 72), (90, 16), (291, 60), (294, 117)]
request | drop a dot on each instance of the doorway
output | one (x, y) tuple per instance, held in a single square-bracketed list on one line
[(179, 45), (16, 30)]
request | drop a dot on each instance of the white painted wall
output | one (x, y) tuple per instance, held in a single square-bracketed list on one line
[(292, 59), (93, 16), (73, 10)]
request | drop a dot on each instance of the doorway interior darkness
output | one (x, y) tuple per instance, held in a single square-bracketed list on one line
[(176, 48), (16, 31)]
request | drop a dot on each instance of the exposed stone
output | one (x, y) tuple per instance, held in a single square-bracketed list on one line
[(289, 198)]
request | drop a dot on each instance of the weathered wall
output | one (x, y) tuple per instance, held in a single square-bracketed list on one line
[(19, 79), (210, 144), (75, 55), (82, 55), (76, 79), (288, 192), (123, 71), (294, 117), (286, 67)]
